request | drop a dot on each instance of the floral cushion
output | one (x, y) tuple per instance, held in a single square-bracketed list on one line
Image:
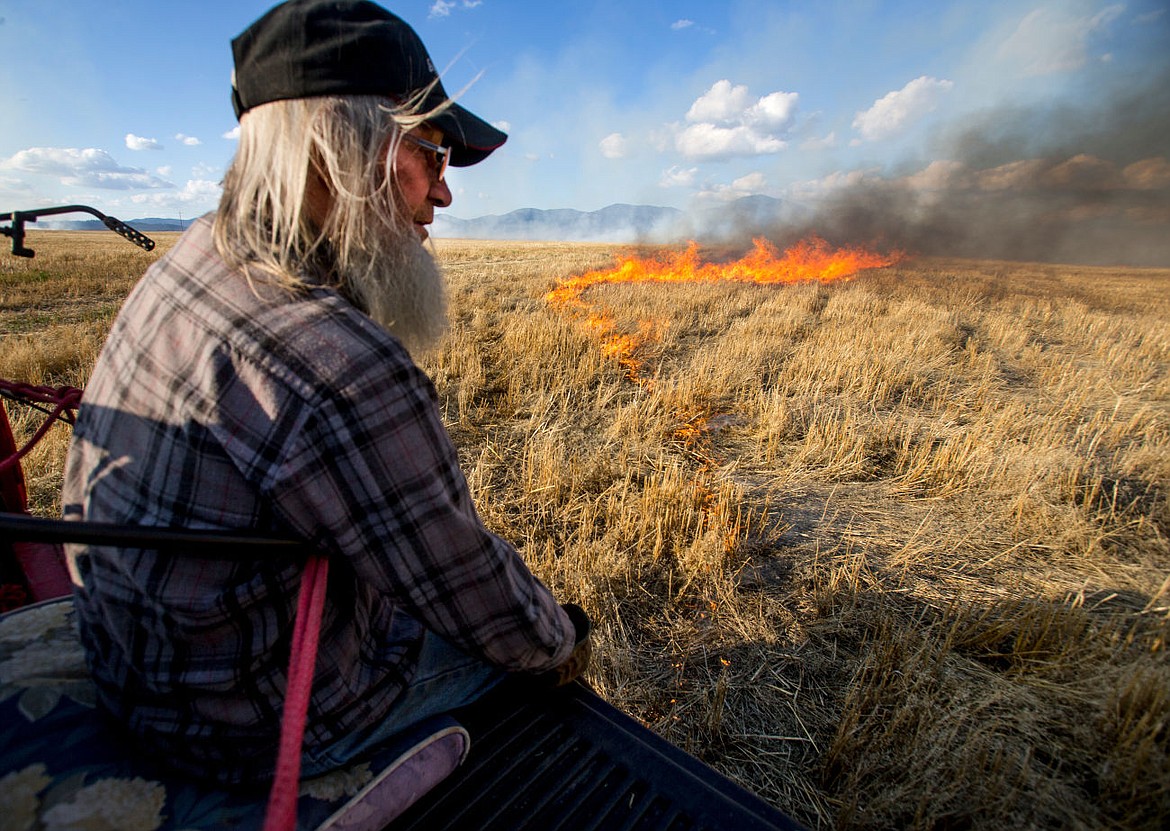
[(64, 766)]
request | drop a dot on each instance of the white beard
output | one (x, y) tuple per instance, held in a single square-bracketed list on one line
[(398, 283)]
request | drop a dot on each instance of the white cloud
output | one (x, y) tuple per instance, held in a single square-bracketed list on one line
[(722, 103), (689, 25), (443, 8), (116, 180), (195, 191), (1106, 16), (1050, 40), (83, 168), (61, 160), (140, 143), (165, 170), (728, 121), (206, 171), (190, 141), (232, 134), (12, 187), (896, 110), (748, 185), (774, 112), (613, 146), (677, 177), (751, 183), (506, 126), (710, 141)]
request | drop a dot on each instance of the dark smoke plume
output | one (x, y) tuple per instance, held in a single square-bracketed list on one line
[(1088, 185)]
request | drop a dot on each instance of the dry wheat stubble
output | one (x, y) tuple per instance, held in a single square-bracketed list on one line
[(892, 553)]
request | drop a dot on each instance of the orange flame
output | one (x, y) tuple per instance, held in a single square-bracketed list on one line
[(810, 259)]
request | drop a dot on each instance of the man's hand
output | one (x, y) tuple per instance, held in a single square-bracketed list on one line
[(578, 660)]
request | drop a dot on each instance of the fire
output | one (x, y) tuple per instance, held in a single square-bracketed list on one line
[(812, 259), (808, 260)]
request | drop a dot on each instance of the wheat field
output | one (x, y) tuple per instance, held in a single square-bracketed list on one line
[(892, 552)]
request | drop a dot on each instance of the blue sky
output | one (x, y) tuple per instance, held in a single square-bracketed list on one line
[(124, 105)]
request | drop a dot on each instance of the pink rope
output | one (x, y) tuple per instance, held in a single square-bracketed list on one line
[(64, 400), (282, 800)]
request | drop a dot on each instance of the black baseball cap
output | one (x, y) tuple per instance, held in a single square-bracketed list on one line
[(305, 48)]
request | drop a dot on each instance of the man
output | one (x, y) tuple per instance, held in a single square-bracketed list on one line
[(259, 376)]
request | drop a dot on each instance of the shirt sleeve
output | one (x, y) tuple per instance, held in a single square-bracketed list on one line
[(373, 471)]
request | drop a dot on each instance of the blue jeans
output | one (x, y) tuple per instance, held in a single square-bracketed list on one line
[(447, 678)]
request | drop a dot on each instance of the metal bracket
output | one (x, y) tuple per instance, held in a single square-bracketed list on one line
[(19, 218)]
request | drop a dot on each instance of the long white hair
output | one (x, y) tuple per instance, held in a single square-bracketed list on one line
[(310, 200)]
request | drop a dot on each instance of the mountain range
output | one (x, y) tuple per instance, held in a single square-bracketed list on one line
[(622, 223), (615, 223), (146, 224)]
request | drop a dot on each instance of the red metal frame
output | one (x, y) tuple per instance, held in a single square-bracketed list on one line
[(32, 571)]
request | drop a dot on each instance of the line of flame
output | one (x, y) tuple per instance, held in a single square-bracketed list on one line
[(808, 260)]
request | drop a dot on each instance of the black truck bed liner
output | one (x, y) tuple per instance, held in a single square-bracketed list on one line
[(567, 760)]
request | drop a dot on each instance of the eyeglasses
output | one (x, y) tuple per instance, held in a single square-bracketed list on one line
[(441, 155)]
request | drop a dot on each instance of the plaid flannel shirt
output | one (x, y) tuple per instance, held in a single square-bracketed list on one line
[(216, 406)]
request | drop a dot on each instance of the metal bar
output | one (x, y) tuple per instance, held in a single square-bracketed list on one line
[(39, 529), (19, 218)]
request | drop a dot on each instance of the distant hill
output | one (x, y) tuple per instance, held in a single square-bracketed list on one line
[(151, 223), (616, 223), (621, 223), (740, 218)]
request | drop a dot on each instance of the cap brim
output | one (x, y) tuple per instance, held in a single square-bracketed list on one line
[(471, 138)]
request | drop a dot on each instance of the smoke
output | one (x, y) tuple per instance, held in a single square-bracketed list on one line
[(1071, 184)]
